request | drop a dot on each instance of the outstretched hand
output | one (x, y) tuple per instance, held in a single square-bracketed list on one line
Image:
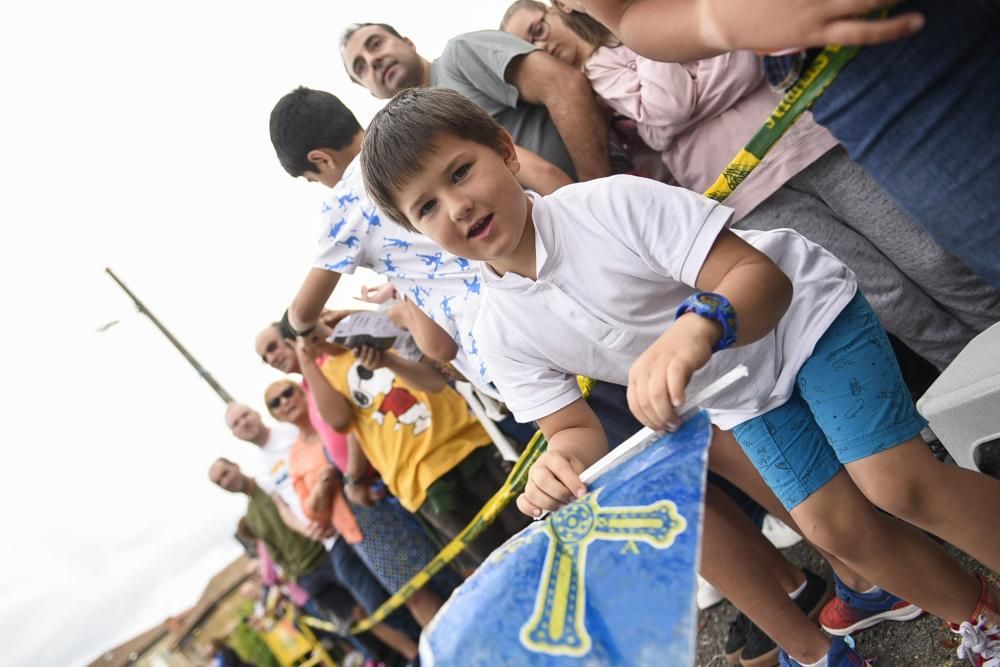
[(378, 294)]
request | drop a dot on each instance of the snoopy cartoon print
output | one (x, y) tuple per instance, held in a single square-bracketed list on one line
[(374, 388)]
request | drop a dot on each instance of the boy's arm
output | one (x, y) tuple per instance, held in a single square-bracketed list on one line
[(432, 340), (685, 30), (311, 298), (422, 375), (569, 99), (333, 406), (576, 440), (539, 174), (759, 293)]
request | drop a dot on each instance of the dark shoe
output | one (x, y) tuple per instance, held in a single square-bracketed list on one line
[(760, 650), (736, 639)]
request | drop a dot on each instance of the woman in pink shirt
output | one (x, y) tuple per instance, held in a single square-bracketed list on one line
[(698, 115), (391, 544)]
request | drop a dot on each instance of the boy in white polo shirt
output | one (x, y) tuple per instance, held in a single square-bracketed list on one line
[(633, 282)]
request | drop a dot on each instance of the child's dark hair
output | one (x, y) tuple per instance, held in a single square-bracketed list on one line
[(307, 119), (404, 132)]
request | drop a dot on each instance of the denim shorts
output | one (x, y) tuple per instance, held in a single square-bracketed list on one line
[(849, 402)]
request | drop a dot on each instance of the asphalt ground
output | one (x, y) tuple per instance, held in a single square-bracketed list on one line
[(924, 642)]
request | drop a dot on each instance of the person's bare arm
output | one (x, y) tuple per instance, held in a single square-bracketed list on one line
[(569, 99), (321, 496), (289, 519), (313, 530), (686, 30), (421, 374), (333, 406), (759, 293), (432, 340), (539, 174), (576, 440), (311, 298)]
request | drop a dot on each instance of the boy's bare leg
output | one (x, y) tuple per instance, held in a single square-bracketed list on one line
[(886, 551), (424, 604), (727, 459), (759, 580), (956, 504)]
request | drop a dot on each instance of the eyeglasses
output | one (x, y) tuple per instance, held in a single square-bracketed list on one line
[(276, 401), (538, 30)]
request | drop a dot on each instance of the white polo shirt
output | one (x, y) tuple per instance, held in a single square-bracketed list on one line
[(615, 257), (356, 233)]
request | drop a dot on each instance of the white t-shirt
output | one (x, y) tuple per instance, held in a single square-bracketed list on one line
[(615, 257), (273, 476), (355, 233)]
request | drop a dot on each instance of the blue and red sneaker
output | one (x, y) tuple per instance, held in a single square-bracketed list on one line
[(841, 654), (849, 611)]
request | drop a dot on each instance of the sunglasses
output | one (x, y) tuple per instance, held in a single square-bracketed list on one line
[(276, 401)]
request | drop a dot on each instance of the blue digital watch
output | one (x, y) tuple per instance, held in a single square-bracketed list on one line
[(715, 307)]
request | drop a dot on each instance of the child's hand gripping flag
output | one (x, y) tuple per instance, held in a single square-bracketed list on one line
[(609, 578)]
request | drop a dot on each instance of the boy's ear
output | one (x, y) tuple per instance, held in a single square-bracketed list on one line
[(509, 151), (322, 157)]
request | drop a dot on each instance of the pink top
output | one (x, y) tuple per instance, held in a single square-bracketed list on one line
[(700, 114), (334, 443), (269, 577)]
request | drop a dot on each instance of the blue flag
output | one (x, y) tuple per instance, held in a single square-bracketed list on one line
[(609, 579)]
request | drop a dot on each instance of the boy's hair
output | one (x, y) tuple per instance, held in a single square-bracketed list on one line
[(404, 132), (307, 119)]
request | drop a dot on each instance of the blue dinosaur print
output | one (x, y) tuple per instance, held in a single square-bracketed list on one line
[(463, 263), (372, 219), (482, 369), (419, 293), (352, 242), (349, 198), (434, 261), (325, 207), (341, 265), (336, 227), (396, 243), (474, 350), (471, 286), (446, 307), (390, 267)]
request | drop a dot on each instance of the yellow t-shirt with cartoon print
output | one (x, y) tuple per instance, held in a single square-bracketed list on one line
[(411, 437)]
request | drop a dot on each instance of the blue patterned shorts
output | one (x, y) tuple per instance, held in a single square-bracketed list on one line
[(849, 402)]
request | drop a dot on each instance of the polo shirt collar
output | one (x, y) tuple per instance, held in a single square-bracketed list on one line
[(543, 248)]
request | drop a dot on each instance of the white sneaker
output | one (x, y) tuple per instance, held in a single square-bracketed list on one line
[(980, 645), (708, 596), (780, 535)]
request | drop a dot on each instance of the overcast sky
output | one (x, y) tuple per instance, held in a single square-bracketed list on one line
[(135, 137)]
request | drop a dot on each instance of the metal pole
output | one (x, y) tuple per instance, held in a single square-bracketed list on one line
[(223, 394)]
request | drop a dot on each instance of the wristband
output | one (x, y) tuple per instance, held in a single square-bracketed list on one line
[(288, 331), (715, 307)]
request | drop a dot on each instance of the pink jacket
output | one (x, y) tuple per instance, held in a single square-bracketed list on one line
[(700, 114)]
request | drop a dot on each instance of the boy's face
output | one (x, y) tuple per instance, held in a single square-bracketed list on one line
[(467, 199)]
